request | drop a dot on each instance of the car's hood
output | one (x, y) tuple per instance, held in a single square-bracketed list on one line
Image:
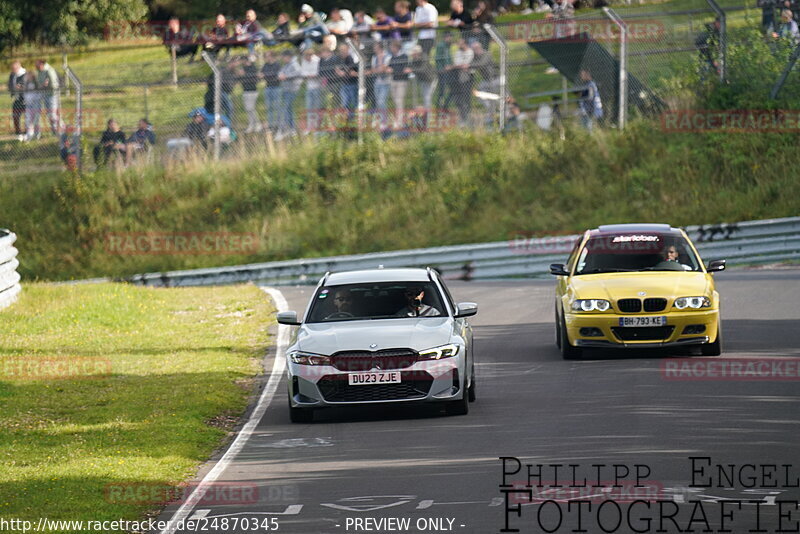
[(614, 286), (415, 333)]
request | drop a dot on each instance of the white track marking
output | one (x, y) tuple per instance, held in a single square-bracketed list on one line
[(244, 434), (200, 514)]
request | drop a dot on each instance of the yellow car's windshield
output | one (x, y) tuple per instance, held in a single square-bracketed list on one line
[(633, 252)]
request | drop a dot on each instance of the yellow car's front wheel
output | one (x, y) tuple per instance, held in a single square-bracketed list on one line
[(715, 348), (568, 352)]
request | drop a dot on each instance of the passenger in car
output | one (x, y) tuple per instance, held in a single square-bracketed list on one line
[(415, 307)]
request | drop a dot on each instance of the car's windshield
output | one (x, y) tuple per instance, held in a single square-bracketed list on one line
[(646, 251), (384, 300)]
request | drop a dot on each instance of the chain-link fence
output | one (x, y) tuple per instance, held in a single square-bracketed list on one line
[(542, 73)]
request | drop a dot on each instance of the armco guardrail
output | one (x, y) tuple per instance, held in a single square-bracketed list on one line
[(9, 278), (751, 242)]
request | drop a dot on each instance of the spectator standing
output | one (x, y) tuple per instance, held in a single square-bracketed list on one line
[(459, 17), (483, 64), (347, 78), (426, 19), (16, 88), (249, 80), (591, 107), (481, 15), (182, 40), (403, 21), (340, 21), (363, 23), (272, 91), (707, 43), (767, 14), (142, 140), (327, 74), (399, 85), (112, 141), (788, 29), (462, 80), (291, 78), (423, 72), (47, 82), (384, 26), (382, 75), (33, 107), (443, 60), (309, 68)]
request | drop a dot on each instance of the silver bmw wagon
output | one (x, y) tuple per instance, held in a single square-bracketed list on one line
[(380, 336)]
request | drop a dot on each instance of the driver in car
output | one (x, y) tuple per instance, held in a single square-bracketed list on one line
[(414, 306), (343, 304), (671, 254)]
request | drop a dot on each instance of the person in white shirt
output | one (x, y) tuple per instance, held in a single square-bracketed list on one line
[(309, 67), (382, 73), (462, 79), (426, 18), (340, 21)]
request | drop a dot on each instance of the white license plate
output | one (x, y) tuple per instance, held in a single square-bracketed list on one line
[(643, 321), (363, 379)]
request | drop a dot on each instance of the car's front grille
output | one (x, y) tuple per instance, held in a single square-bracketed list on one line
[(654, 304), (413, 385), (366, 360), (629, 305), (643, 333)]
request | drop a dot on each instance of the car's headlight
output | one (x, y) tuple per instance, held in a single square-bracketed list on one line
[(694, 303), (438, 353), (308, 358), (587, 305)]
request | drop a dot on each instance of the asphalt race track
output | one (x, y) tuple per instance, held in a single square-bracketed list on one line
[(352, 468)]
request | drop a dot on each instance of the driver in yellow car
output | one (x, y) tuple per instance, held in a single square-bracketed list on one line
[(671, 254)]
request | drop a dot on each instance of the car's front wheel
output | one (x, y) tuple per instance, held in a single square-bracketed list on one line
[(715, 348), (568, 352), (300, 415), (471, 390), (459, 407)]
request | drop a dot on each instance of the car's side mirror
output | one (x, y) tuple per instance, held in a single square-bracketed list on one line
[(466, 309), (559, 269), (288, 317), (715, 266)]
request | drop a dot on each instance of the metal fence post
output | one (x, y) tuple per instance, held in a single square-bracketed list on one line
[(773, 94), (78, 112), (217, 97), (623, 65), (174, 57), (362, 88), (723, 39), (502, 108)]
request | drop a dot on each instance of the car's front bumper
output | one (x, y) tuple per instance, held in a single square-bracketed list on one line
[(429, 381), (694, 327)]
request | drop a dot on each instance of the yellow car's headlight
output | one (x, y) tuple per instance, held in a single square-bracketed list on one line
[(694, 303), (588, 305)]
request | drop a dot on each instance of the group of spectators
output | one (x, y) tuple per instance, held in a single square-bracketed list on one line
[(785, 27), (33, 92)]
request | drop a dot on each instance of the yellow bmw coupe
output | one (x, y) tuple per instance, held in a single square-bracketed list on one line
[(636, 286)]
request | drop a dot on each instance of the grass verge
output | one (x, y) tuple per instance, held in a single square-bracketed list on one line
[(119, 387)]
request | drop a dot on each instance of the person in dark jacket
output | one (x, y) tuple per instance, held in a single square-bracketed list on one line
[(16, 88), (112, 141), (272, 91), (141, 140), (424, 74), (197, 130), (182, 40)]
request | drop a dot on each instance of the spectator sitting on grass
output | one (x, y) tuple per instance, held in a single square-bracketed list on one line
[(384, 25), (219, 37), (141, 141), (251, 32), (182, 39), (340, 21), (70, 147), (112, 141), (282, 30)]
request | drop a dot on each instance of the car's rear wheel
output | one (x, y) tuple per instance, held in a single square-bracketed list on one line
[(568, 352), (300, 415), (715, 348)]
